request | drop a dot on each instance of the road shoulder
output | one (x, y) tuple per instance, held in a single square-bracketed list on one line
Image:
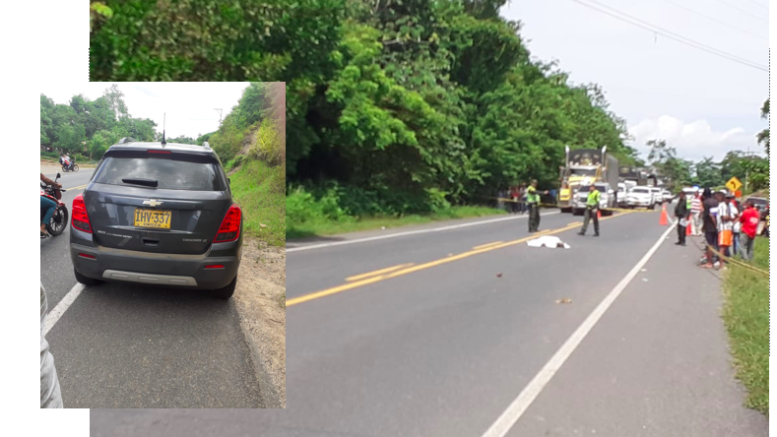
[(657, 364), (260, 298)]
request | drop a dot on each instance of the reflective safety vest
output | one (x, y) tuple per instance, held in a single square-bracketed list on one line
[(531, 195), (593, 198)]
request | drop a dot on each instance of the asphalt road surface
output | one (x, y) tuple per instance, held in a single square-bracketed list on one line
[(469, 339), (124, 345)]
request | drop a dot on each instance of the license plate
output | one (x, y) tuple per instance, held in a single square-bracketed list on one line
[(151, 218)]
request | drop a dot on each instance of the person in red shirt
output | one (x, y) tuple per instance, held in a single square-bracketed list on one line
[(749, 219)]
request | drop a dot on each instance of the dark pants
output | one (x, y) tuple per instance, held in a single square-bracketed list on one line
[(681, 234), (589, 214), (534, 217), (49, 206)]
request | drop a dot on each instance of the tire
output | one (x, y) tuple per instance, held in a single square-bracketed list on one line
[(226, 292), (58, 222), (75, 167), (84, 280)]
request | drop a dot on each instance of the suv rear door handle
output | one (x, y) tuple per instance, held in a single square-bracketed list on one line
[(150, 242)]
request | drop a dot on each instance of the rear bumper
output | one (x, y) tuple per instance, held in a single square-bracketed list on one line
[(186, 271)]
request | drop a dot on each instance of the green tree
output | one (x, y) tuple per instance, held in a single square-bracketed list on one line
[(763, 136)]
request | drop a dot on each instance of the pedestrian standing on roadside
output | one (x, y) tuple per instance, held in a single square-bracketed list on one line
[(725, 226), (696, 208), (514, 206), (749, 220), (710, 225), (682, 214), (50, 394), (522, 198), (591, 210), (533, 201), (734, 212)]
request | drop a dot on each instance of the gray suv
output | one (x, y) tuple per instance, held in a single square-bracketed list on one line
[(157, 213)]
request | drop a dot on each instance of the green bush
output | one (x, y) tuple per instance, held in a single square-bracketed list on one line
[(51, 155), (267, 143), (211, 40)]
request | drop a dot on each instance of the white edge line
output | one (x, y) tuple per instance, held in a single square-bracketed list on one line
[(53, 316), (402, 234), (516, 409)]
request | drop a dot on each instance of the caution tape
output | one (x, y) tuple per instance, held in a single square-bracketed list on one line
[(737, 262), (555, 205)]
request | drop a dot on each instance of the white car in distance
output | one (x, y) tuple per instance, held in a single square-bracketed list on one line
[(640, 197)]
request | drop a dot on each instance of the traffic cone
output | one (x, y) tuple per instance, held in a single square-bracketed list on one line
[(663, 221), (598, 214), (688, 229)]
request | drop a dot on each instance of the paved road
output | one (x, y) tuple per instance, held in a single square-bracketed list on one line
[(133, 346), (444, 344)]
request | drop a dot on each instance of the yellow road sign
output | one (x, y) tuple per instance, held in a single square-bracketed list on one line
[(733, 184)]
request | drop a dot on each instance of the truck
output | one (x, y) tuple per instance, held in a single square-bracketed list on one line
[(637, 176), (586, 166)]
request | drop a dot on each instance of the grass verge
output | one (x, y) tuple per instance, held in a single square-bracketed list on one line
[(746, 315), (319, 225), (260, 189)]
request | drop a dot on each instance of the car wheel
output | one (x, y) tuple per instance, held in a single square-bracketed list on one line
[(226, 292), (84, 280)]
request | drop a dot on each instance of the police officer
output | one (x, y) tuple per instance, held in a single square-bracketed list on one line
[(591, 209), (533, 201)]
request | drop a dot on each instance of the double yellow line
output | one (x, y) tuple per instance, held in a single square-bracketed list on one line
[(80, 187), (404, 269)]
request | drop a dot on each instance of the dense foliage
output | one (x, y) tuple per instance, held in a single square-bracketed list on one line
[(88, 128), (432, 103)]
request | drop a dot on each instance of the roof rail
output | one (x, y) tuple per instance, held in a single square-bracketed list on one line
[(206, 145), (126, 140)]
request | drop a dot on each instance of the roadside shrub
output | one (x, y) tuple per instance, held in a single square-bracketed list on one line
[(267, 143), (51, 155)]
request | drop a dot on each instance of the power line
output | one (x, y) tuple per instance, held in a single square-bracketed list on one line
[(714, 19), (671, 35), (759, 4), (742, 10)]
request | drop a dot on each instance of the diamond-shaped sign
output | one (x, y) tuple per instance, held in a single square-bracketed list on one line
[(733, 184)]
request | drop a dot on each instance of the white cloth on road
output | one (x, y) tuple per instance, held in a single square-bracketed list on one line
[(548, 241)]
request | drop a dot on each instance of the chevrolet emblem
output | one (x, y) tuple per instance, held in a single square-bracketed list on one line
[(152, 202)]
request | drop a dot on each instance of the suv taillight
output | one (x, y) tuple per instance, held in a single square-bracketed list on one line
[(230, 226), (80, 219)]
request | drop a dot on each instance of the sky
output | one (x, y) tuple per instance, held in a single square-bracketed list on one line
[(701, 104), (190, 107)]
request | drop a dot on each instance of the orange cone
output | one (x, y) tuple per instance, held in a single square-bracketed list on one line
[(663, 221), (688, 229), (598, 214)]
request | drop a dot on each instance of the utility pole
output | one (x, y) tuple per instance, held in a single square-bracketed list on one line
[(219, 110)]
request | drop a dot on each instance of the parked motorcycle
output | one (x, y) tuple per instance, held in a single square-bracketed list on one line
[(58, 221)]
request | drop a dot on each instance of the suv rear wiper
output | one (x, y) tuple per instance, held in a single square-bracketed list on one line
[(141, 181)]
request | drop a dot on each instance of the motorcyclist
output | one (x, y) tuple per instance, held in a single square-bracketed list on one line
[(47, 205)]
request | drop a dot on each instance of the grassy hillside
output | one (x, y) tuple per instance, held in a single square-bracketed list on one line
[(260, 189), (251, 144)]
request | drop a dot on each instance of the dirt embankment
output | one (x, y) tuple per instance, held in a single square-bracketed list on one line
[(261, 300)]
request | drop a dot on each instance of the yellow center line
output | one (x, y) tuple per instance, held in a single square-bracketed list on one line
[(374, 279), (575, 223), (77, 188), (483, 246), (377, 272)]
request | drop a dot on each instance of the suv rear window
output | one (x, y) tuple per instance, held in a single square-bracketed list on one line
[(170, 174)]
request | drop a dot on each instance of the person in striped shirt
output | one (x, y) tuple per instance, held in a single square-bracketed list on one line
[(696, 208)]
